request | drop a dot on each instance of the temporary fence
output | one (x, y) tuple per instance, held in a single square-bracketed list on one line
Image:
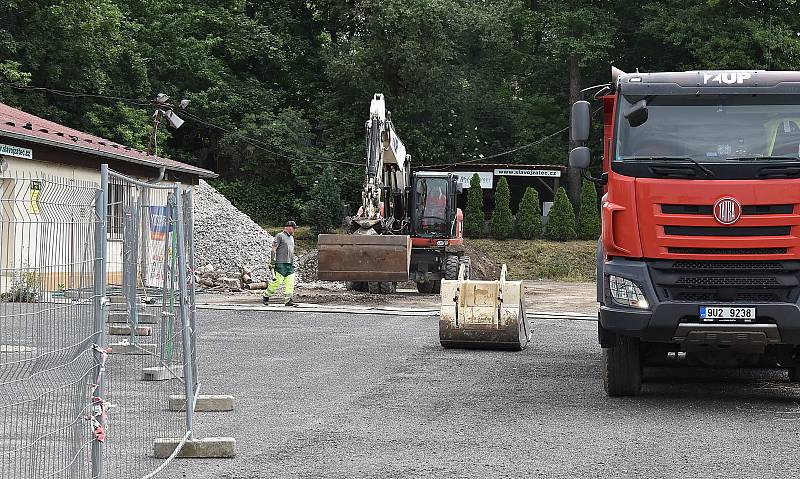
[(97, 330)]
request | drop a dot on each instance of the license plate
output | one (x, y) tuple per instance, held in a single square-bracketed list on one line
[(724, 313)]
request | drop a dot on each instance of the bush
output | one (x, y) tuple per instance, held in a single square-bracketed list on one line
[(502, 219), (474, 218), (24, 288), (561, 219), (529, 215), (324, 208), (589, 216)]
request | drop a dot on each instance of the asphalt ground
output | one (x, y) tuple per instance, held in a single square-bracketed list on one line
[(338, 395)]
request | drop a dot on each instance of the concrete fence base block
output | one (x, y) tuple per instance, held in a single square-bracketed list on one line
[(161, 373), (126, 330), (205, 403), (207, 447), (128, 348), (124, 317)]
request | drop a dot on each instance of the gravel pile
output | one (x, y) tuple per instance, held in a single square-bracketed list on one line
[(228, 239), (307, 267)]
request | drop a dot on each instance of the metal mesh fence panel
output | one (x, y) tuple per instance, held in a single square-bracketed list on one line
[(47, 327), (148, 323)]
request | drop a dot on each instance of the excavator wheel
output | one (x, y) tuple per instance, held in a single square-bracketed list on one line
[(467, 262), (451, 265), (429, 287), (359, 286)]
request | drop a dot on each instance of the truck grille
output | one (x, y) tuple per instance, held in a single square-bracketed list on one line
[(747, 210), (729, 251), (726, 281), (727, 230)]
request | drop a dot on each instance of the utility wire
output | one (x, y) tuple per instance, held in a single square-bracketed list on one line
[(141, 102), (264, 146), (73, 94), (508, 152)]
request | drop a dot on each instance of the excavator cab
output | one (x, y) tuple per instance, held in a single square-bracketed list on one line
[(434, 205)]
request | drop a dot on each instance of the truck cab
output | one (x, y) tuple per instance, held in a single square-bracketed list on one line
[(700, 246)]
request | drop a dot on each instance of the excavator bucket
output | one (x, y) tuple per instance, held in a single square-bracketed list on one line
[(483, 314), (364, 257)]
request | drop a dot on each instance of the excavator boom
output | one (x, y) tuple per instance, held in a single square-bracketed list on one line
[(375, 252)]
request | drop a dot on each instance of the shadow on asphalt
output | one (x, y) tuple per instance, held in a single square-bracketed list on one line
[(769, 385)]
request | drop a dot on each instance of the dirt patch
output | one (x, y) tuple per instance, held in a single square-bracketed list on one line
[(483, 265)]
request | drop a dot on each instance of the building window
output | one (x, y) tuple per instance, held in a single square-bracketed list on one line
[(116, 202)]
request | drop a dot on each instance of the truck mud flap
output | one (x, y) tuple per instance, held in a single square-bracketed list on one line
[(483, 314), (363, 257)]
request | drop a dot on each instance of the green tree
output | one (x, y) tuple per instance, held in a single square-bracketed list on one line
[(474, 219), (561, 219), (588, 216), (324, 207), (502, 223), (529, 215)]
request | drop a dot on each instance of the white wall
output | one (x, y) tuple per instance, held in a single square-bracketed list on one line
[(55, 242)]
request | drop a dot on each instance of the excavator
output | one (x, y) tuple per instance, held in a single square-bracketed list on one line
[(409, 228)]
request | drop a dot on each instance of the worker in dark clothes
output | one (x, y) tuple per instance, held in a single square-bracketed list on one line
[(283, 265)]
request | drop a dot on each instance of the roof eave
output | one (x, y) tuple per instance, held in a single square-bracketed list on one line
[(201, 173)]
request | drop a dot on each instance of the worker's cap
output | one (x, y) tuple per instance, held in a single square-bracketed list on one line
[(291, 223)]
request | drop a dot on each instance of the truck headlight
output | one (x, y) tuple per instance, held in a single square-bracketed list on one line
[(626, 293)]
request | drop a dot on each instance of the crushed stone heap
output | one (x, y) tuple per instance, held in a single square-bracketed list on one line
[(228, 239)]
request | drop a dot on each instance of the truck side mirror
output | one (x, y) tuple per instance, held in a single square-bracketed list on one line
[(580, 158), (637, 113), (459, 188), (580, 121)]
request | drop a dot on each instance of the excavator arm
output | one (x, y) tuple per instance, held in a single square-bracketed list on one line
[(379, 250)]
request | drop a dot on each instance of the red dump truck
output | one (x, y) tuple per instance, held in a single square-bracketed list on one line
[(700, 247)]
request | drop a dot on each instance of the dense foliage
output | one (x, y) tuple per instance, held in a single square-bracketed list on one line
[(529, 215), (474, 218), (462, 78), (561, 219), (589, 215), (502, 222), (324, 209)]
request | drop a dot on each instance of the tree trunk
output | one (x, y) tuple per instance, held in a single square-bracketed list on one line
[(573, 182)]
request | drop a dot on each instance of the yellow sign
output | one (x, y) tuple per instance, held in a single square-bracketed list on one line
[(36, 190)]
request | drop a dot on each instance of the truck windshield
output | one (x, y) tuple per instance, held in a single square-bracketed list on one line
[(710, 129), (431, 207)]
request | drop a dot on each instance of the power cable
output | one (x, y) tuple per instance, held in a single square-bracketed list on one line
[(263, 146), (513, 150), (141, 102)]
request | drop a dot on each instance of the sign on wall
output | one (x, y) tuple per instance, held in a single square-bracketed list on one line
[(524, 172), (464, 177), (16, 152)]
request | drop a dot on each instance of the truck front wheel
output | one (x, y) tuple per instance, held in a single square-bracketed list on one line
[(622, 367)]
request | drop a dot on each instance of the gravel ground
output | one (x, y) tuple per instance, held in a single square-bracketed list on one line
[(339, 395)]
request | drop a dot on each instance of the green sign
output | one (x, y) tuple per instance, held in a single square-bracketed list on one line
[(16, 152)]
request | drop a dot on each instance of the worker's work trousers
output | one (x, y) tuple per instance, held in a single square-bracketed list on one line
[(288, 286)]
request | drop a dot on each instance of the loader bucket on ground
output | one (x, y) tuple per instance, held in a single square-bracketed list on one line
[(364, 257), (483, 314)]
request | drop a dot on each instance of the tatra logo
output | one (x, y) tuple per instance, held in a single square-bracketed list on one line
[(727, 210), (727, 78)]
